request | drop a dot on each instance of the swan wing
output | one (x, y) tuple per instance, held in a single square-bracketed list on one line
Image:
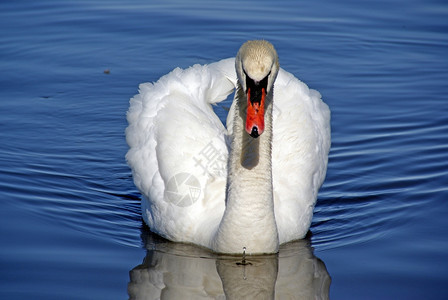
[(301, 142), (178, 152)]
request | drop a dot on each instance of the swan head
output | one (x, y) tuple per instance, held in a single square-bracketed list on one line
[(257, 67)]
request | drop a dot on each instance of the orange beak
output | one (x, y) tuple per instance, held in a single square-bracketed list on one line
[(255, 115)]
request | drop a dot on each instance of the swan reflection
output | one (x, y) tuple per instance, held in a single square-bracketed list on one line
[(182, 271)]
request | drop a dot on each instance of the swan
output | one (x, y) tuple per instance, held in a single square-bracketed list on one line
[(249, 186)]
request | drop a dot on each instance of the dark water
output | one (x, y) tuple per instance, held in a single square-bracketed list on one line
[(70, 225)]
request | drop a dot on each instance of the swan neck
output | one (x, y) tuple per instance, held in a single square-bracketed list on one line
[(249, 220)]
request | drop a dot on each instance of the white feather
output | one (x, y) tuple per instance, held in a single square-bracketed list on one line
[(173, 133)]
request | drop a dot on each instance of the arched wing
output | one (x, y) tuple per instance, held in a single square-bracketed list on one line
[(300, 153), (178, 152)]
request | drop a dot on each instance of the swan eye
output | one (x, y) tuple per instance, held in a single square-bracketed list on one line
[(256, 85)]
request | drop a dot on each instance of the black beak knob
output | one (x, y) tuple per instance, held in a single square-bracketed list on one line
[(254, 132)]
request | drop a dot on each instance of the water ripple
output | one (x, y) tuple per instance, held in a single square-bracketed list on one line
[(50, 186), (381, 175)]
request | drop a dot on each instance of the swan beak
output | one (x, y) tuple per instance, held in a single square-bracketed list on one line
[(255, 112)]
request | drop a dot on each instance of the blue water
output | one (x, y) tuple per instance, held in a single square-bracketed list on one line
[(70, 225)]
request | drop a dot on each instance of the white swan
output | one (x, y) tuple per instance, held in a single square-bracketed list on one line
[(251, 186)]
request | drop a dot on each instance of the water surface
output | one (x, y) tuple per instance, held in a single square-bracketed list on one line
[(70, 213)]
